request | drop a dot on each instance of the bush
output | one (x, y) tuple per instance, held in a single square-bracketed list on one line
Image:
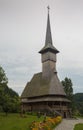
[(49, 124)]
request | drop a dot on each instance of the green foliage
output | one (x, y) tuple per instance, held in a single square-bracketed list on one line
[(78, 99), (67, 84), (3, 78), (78, 126), (9, 99)]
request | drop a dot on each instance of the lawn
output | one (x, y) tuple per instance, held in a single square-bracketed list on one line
[(78, 126), (16, 122)]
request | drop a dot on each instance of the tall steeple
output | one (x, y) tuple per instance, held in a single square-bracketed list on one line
[(48, 53), (48, 31), (48, 40)]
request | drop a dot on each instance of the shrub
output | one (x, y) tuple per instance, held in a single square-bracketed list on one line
[(47, 124)]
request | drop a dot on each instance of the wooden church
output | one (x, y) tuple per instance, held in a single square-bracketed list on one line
[(45, 92)]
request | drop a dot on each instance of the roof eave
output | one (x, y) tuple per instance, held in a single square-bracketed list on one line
[(48, 49)]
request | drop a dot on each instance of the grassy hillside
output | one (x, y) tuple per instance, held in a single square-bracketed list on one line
[(78, 99), (15, 122)]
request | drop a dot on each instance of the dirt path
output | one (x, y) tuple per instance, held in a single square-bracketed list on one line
[(68, 124)]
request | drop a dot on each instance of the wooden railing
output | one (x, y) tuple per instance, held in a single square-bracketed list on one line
[(58, 107)]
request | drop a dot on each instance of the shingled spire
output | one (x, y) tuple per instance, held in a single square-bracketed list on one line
[(48, 31), (48, 41)]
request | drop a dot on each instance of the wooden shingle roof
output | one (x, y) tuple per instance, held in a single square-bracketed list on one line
[(41, 87)]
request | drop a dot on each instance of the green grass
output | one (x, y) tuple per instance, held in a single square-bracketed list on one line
[(15, 122), (78, 126)]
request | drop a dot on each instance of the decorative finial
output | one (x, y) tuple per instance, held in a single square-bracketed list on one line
[(48, 8)]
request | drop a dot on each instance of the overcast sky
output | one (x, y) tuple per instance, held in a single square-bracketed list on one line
[(22, 35)]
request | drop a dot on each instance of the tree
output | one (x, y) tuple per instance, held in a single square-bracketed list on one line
[(3, 78), (9, 99), (67, 84), (78, 99), (6, 104)]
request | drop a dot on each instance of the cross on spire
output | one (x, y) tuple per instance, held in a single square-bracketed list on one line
[(48, 8), (48, 40)]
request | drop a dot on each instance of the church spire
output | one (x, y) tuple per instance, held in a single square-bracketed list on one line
[(48, 39)]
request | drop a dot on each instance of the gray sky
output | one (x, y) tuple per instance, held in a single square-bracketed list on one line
[(22, 35)]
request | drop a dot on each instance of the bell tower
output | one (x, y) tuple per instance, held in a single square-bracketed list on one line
[(48, 53)]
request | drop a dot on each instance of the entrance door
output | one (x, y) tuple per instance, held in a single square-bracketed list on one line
[(65, 115)]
